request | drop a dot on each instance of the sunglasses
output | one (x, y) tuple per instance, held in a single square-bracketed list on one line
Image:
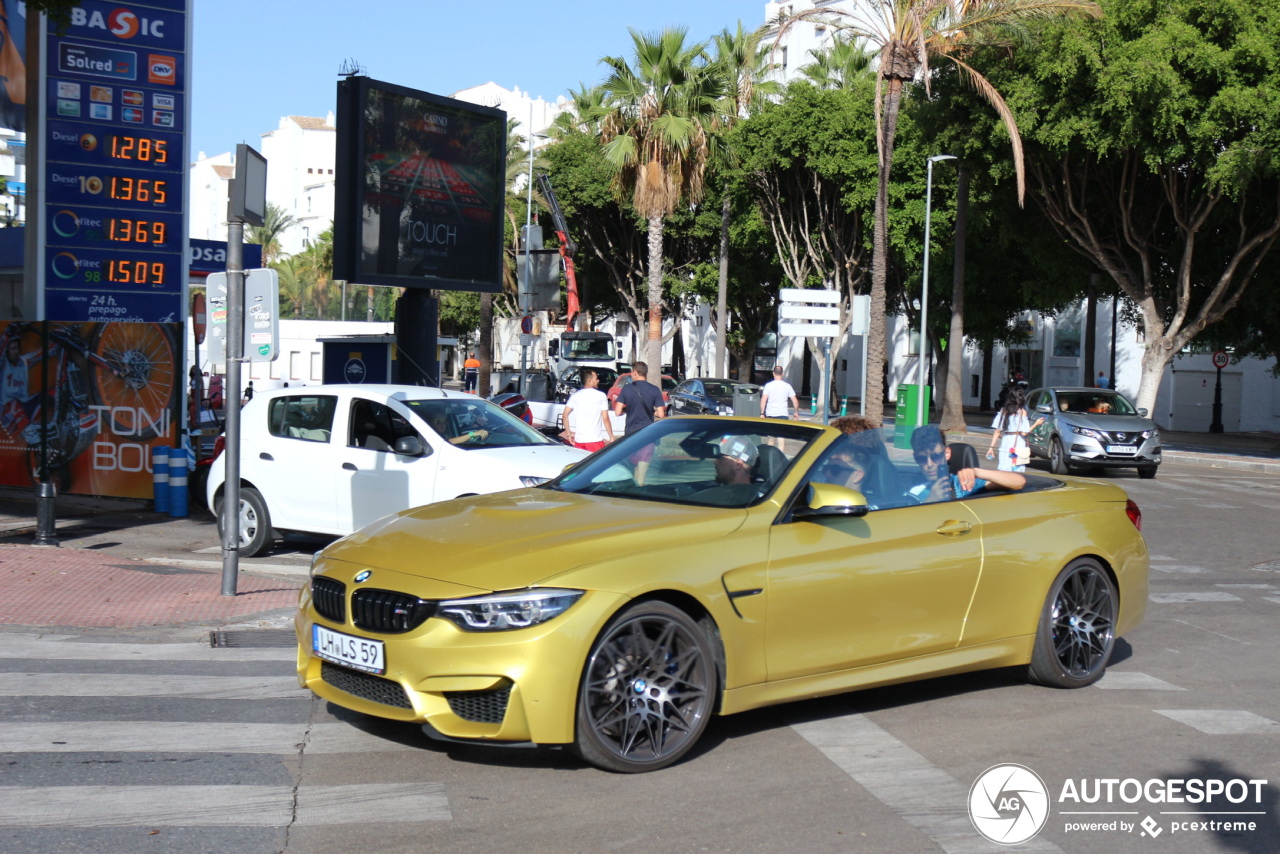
[(937, 457)]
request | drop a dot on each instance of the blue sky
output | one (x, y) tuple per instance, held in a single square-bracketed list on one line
[(255, 61)]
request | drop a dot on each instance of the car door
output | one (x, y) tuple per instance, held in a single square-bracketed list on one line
[(374, 480), (287, 454), (1038, 438), (683, 397), (854, 591)]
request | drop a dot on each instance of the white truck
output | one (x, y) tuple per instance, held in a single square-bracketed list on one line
[(554, 360)]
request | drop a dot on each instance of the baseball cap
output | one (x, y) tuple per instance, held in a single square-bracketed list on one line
[(739, 448)]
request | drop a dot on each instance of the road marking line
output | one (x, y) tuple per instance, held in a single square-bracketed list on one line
[(1134, 682), (185, 737), (139, 685), (65, 648), (926, 797), (1222, 721), (1184, 570), (1193, 596), (220, 806)]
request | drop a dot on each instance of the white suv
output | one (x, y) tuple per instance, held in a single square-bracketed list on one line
[(331, 459)]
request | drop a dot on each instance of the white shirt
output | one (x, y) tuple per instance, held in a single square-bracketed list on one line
[(588, 406), (778, 394)]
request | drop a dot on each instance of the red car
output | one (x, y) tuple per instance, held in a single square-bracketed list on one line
[(668, 383)]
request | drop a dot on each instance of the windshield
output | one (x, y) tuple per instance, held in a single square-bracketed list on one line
[(708, 462), (588, 348), (471, 423), (1095, 403)]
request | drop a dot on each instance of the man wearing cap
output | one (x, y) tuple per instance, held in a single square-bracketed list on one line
[(733, 473)]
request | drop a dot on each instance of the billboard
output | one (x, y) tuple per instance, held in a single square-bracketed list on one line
[(420, 189), (90, 400)]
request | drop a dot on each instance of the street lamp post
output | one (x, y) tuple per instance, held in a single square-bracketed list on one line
[(924, 292)]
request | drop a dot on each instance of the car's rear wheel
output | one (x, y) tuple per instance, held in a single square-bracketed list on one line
[(1076, 635), (254, 522), (1147, 472), (647, 690), (1058, 458)]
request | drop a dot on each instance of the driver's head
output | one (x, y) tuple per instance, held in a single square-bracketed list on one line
[(737, 455), (929, 447), (13, 351)]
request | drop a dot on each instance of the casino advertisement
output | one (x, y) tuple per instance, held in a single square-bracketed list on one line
[(86, 402), (420, 189)]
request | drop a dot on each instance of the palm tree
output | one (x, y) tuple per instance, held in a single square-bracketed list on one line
[(908, 34), (837, 66), (275, 222), (742, 64), (656, 135)]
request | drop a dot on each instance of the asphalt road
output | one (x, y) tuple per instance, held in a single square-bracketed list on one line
[(120, 741)]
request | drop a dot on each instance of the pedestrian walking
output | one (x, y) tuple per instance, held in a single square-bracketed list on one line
[(470, 373), (1102, 381), (642, 403), (775, 396), (1011, 427), (586, 415)]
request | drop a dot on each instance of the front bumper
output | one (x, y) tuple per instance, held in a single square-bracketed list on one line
[(1086, 450), (513, 686)]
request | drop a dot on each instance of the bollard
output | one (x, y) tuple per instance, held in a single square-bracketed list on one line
[(813, 405), (178, 472), (844, 405), (160, 477)]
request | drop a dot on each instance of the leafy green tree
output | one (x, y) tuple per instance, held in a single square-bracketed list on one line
[(655, 134), (275, 222), (839, 66), (909, 34), (1154, 138)]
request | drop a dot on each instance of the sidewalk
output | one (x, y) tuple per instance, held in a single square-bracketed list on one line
[(47, 586)]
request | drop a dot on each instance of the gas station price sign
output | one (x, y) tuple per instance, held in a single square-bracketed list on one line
[(114, 163)]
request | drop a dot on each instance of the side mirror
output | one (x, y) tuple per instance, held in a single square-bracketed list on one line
[(826, 499), (1044, 409), (553, 348), (411, 446), (1142, 410)]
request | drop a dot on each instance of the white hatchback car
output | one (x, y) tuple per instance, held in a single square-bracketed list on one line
[(331, 459)]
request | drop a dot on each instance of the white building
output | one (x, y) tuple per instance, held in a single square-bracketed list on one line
[(802, 39)]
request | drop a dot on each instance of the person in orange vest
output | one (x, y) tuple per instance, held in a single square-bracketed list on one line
[(470, 373)]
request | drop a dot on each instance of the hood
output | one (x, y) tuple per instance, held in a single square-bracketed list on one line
[(537, 460), (510, 540)]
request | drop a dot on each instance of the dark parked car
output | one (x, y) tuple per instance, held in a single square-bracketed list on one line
[(1092, 427), (710, 396)]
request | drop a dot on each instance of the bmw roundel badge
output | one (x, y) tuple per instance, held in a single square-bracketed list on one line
[(363, 575)]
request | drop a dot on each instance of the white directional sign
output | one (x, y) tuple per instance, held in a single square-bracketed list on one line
[(809, 313)]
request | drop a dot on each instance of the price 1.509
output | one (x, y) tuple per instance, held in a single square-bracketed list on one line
[(135, 272)]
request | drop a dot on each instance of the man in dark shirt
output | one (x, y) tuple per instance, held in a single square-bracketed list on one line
[(642, 404)]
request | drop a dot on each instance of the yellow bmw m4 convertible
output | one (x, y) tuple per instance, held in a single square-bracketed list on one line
[(711, 565)]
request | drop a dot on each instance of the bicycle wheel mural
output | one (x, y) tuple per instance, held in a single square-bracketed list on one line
[(85, 402)]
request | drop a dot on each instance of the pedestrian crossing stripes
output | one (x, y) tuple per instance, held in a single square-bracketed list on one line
[(103, 736), (219, 806)]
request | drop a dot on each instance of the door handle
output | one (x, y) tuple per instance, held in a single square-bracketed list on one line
[(265, 456), (349, 467), (954, 528)]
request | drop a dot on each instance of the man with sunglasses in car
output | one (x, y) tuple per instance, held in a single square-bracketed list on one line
[(929, 447)]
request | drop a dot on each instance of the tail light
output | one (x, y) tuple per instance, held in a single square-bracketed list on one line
[(1135, 515), (220, 444)]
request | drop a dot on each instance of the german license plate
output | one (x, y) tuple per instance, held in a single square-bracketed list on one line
[(358, 653), (1122, 449)]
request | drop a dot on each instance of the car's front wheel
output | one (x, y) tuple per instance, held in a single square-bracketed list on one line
[(647, 690), (253, 520), (1147, 472), (1076, 634), (1058, 458)]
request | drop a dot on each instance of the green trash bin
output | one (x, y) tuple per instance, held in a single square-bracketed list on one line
[(907, 417)]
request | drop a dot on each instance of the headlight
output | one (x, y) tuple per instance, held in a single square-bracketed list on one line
[(499, 612), (1092, 434), (532, 480), (1147, 434)]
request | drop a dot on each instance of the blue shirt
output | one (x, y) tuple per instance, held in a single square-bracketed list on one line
[(639, 399), (919, 492)]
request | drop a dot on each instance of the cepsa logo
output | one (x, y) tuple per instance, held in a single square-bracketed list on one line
[(121, 23)]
